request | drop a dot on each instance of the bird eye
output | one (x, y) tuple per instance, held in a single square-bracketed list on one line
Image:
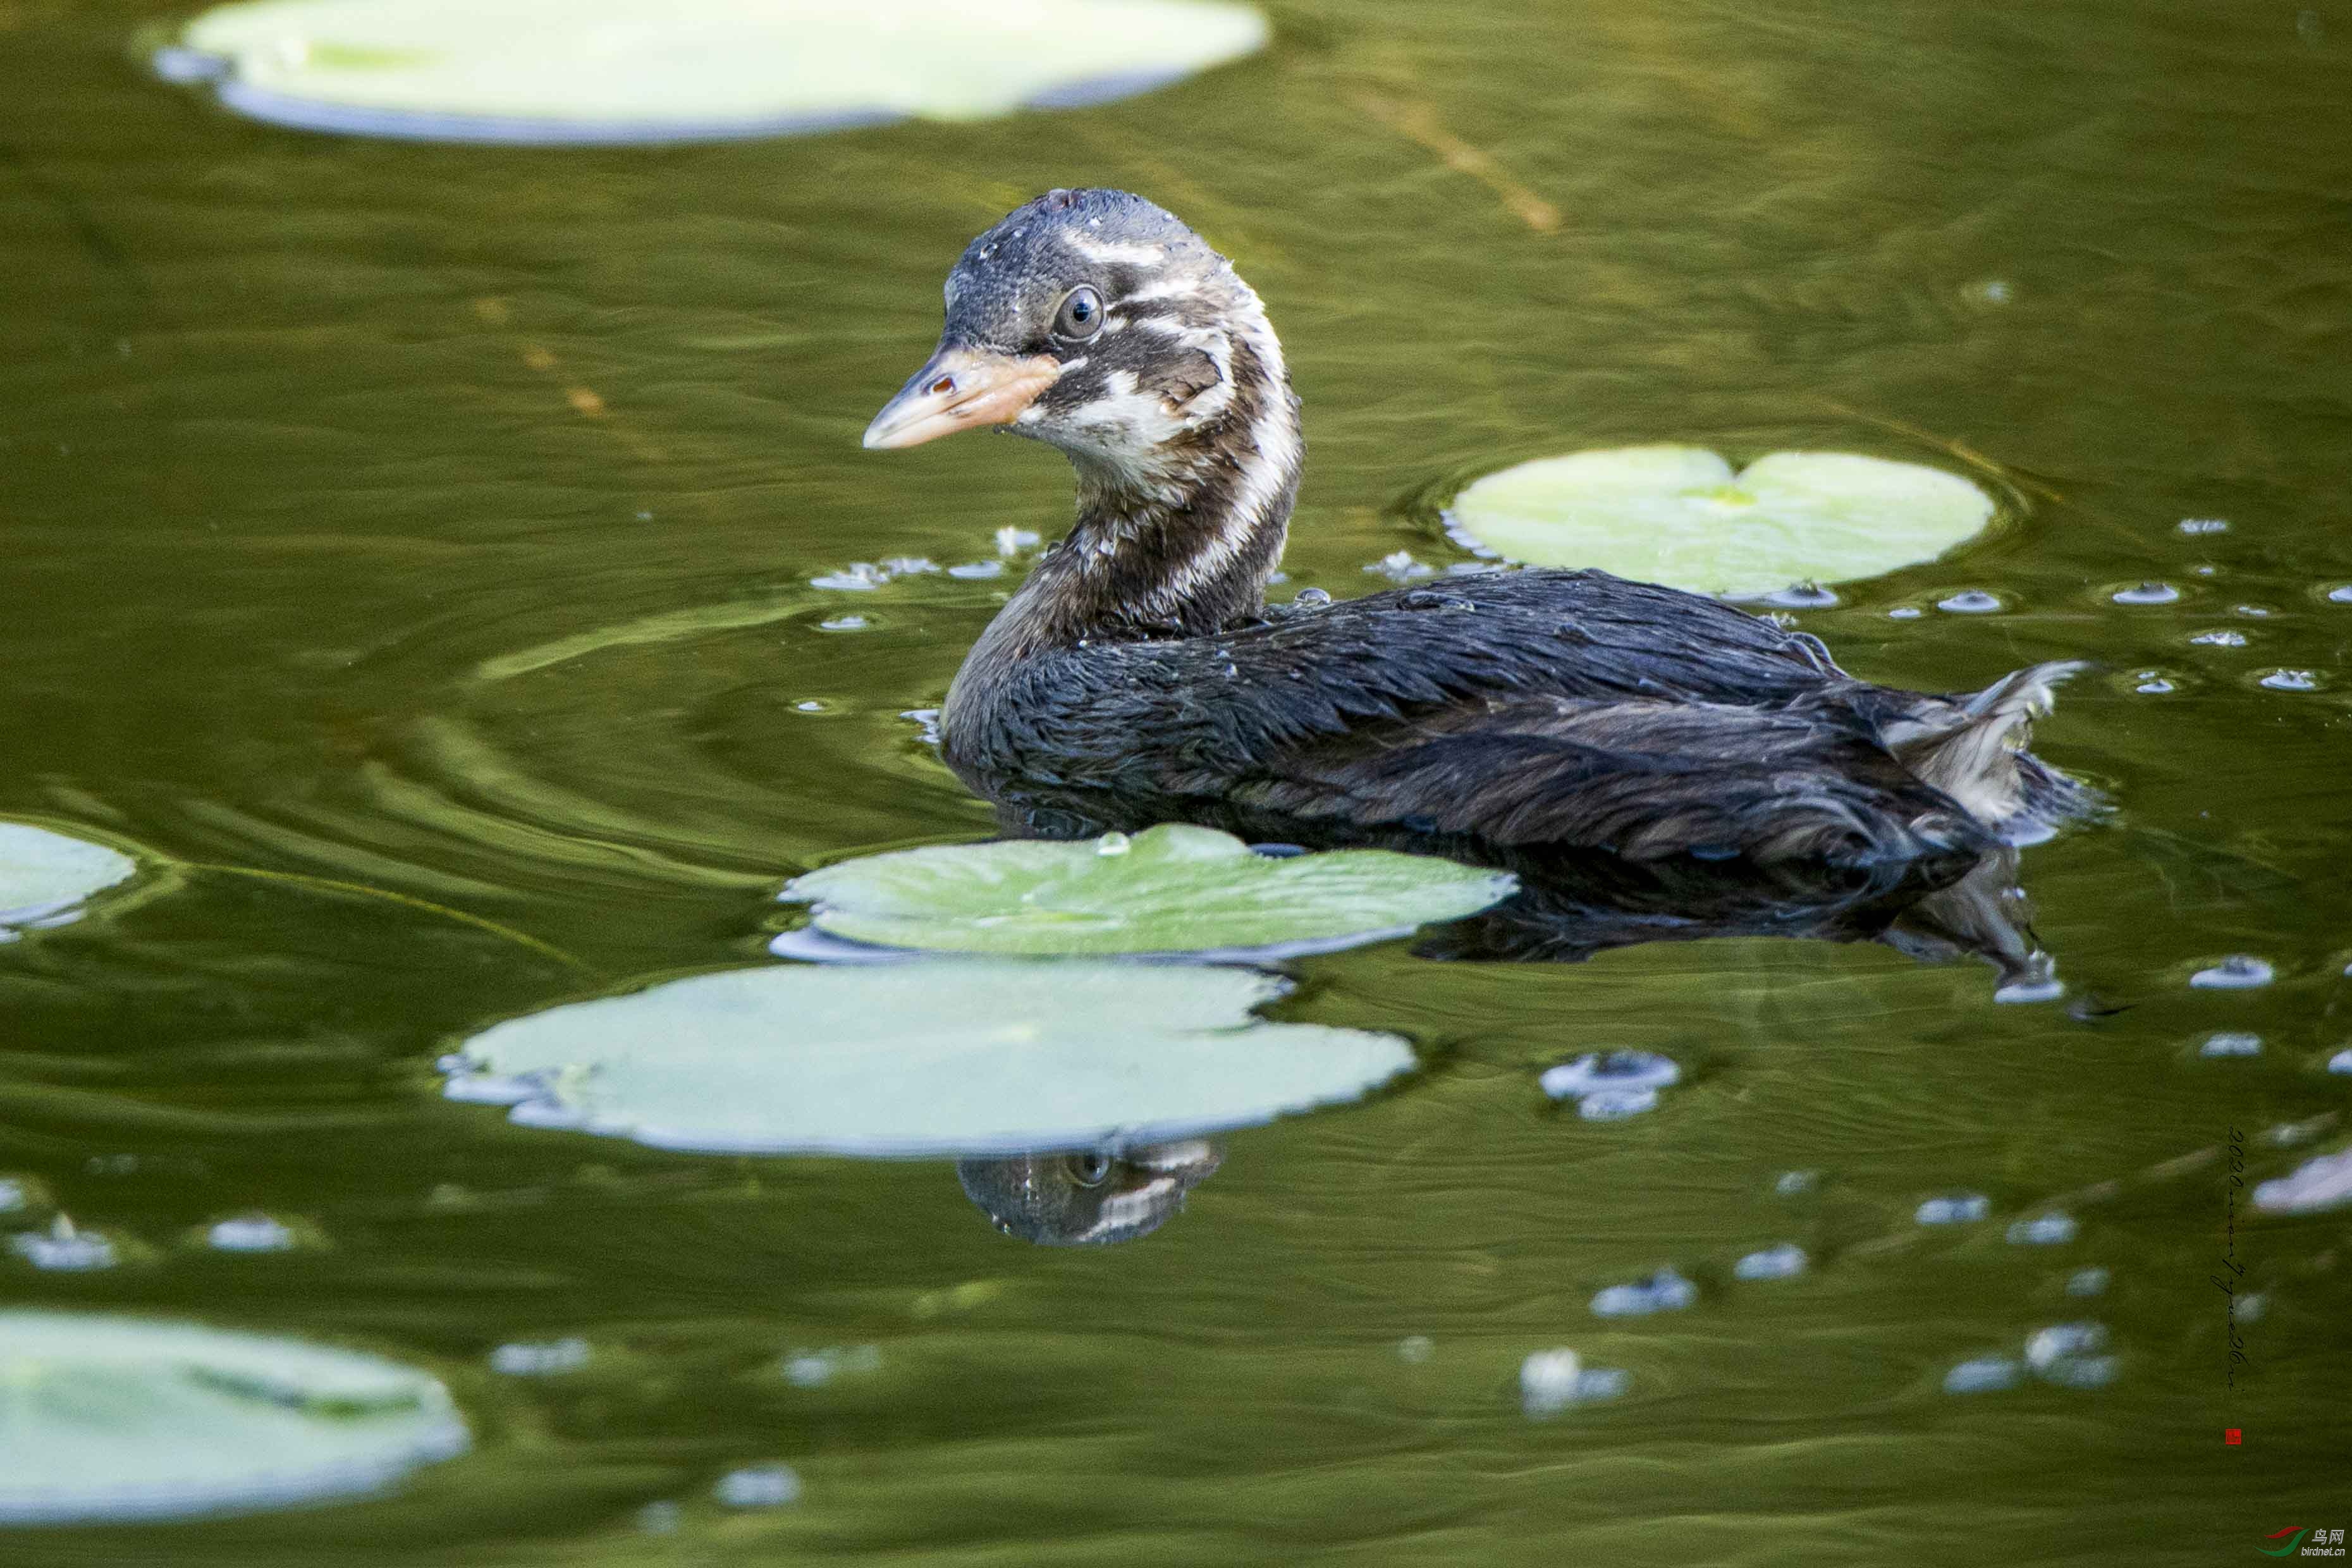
[(1090, 1169), (1081, 314)]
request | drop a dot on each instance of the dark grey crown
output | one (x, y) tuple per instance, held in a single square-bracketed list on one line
[(1003, 290)]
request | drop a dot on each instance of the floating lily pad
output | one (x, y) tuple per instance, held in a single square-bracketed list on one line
[(43, 875), (1680, 516), (109, 1419), (1171, 889), (579, 71), (950, 1058)]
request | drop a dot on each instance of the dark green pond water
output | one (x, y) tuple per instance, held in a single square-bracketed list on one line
[(434, 530)]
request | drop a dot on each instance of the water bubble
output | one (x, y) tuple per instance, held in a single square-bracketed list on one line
[(2199, 525), (1312, 598), (16, 1195), (811, 705), (1012, 541), (2147, 593), (2087, 1282), (1785, 1261), (2239, 972), (2152, 683), (1548, 1380), (2323, 1183), (660, 1517), (2231, 1043), (2291, 680), (1960, 1208), (248, 1233), (2067, 1355), (862, 576), (1616, 1104), (1664, 1292), (1113, 844), (1789, 1183), (2340, 595), (1802, 596), (1970, 601), (843, 624), (2252, 612), (759, 1486), (524, 1358), (63, 1249), (1598, 1070), (2046, 1347), (2219, 639), (2341, 1061), (2043, 1230), (1416, 1349), (1598, 1382), (1400, 567), (1983, 1376), (1991, 292), (1905, 612), (908, 565), (978, 569)]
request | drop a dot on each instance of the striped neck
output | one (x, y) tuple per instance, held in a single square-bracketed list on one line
[(1180, 543)]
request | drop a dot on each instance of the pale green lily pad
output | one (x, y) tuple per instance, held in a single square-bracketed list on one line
[(552, 72), (961, 1057), (1680, 516), (111, 1418), (44, 875), (1171, 889)]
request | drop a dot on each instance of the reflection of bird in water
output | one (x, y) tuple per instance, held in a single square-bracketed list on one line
[(1087, 1199), (1139, 676), (1568, 912)]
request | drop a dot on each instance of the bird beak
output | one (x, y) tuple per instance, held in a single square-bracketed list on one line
[(960, 388)]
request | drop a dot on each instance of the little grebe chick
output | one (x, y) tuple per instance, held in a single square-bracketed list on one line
[(1139, 676)]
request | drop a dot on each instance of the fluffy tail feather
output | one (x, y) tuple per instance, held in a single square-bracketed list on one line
[(1979, 758)]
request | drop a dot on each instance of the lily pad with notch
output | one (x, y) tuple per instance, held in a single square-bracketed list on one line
[(106, 1419), (956, 1057), (1681, 516), (1170, 890)]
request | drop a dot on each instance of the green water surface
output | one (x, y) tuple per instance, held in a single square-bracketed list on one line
[(435, 529)]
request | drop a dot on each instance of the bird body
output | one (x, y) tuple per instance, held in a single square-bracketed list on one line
[(1140, 675)]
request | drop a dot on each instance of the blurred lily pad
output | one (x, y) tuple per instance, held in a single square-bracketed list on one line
[(958, 1057), (1680, 516), (43, 875), (555, 71), (1171, 889), (111, 1418)]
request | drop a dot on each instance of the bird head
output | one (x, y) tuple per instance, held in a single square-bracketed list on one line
[(1097, 322)]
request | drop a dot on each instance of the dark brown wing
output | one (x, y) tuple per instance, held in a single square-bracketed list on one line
[(1522, 706), (1641, 779)]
